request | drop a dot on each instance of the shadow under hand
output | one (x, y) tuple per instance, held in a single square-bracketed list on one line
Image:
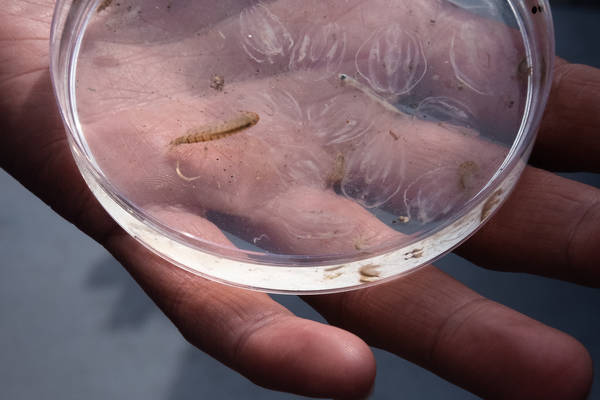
[(131, 308)]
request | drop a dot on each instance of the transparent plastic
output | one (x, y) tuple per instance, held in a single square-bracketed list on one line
[(301, 147)]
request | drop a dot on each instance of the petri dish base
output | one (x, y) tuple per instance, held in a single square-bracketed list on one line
[(310, 148)]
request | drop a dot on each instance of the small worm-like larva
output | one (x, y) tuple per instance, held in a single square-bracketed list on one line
[(348, 80), (337, 174), (333, 275), (245, 120), (403, 219), (182, 176), (414, 253), (217, 82), (468, 175), (104, 5), (490, 204), (369, 271)]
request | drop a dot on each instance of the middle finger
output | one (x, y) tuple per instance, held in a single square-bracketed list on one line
[(434, 321), (549, 226)]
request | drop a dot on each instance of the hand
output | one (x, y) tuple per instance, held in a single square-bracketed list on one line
[(427, 317)]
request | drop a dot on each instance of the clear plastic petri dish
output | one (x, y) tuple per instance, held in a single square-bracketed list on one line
[(301, 147)]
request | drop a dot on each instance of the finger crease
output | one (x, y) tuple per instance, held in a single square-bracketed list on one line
[(465, 310), (571, 245), (561, 73), (263, 321)]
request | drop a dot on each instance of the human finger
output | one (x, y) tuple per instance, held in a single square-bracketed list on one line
[(434, 321), (267, 336), (246, 330), (568, 138), (548, 226), (34, 149)]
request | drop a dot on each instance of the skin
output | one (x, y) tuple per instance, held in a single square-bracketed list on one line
[(427, 317), (261, 172)]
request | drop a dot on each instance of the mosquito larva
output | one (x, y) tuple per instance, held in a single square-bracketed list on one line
[(348, 80), (217, 82), (104, 5), (245, 120), (414, 253), (403, 219), (369, 271), (337, 174), (182, 176), (490, 204)]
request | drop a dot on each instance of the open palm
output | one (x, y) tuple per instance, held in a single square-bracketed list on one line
[(427, 317)]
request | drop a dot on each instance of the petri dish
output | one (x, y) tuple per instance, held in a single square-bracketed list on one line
[(307, 147)]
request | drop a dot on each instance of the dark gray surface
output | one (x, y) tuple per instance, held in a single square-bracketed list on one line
[(73, 324)]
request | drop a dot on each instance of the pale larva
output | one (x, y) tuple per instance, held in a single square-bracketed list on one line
[(245, 120), (348, 80)]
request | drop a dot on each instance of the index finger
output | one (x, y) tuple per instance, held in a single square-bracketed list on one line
[(568, 139)]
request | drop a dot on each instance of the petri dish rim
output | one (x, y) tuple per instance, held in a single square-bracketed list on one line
[(539, 55)]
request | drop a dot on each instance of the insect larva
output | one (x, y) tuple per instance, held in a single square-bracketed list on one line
[(207, 133), (337, 174), (182, 176), (468, 175), (217, 82), (348, 80), (414, 253), (490, 203), (403, 219), (333, 275), (369, 271), (104, 5)]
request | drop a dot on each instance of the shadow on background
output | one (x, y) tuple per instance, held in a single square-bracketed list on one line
[(131, 308)]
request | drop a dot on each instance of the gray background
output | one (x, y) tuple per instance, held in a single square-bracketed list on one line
[(74, 325)]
